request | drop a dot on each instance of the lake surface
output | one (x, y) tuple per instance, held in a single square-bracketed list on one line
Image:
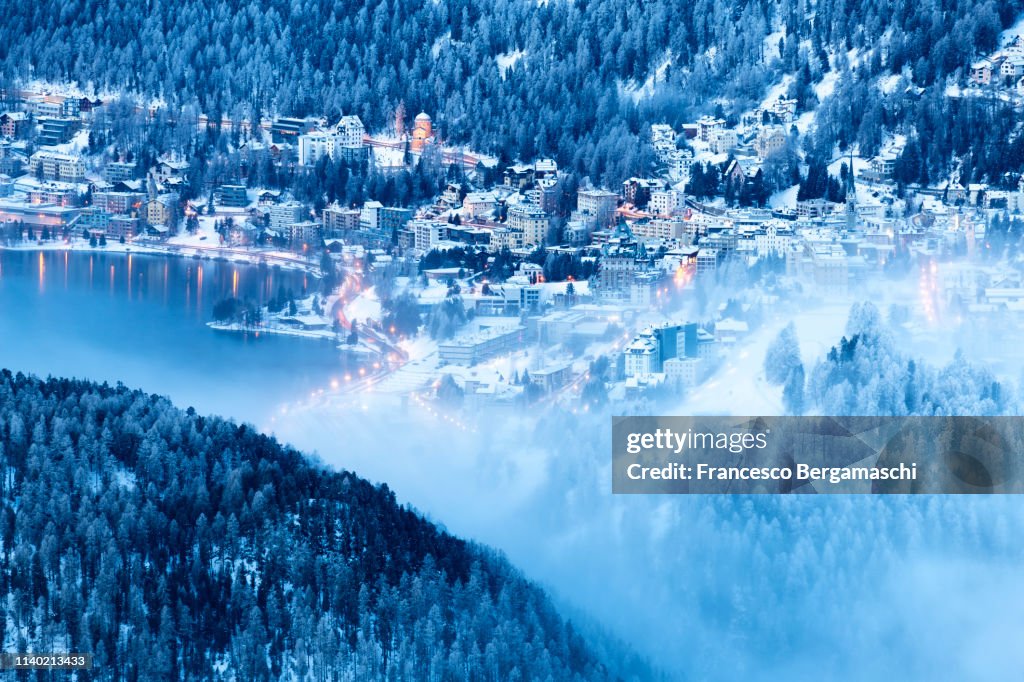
[(142, 320)]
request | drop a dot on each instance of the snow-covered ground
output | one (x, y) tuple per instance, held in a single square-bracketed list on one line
[(827, 85), (738, 387), (364, 307), (507, 60), (113, 246), (78, 143), (776, 91), (191, 247), (640, 91), (859, 165), (1013, 32), (206, 235), (771, 44), (887, 84), (804, 121), (439, 44), (785, 198)]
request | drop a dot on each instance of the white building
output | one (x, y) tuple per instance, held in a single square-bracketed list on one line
[(768, 141), (707, 260), (981, 72), (784, 108), (578, 229), (662, 134), (347, 135), (479, 204), (315, 145), (57, 166), (501, 237), (529, 220), (683, 372), (350, 132), (679, 163), (369, 216), (666, 202), (427, 233), (660, 228), (723, 140), (706, 125), (774, 238), (641, 355), (306, 234), (599, 203), (545, 168), (288, 213)]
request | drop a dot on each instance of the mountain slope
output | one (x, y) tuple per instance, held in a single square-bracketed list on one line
[(563, 97), (175, 546)]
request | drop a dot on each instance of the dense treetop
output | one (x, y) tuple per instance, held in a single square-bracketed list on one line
[(564, 97), (175, 546)]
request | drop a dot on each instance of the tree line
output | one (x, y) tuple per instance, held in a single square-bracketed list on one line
[(177, 546)]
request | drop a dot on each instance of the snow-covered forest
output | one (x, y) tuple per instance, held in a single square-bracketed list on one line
[(175, 546), (572, 90), (866, 373)]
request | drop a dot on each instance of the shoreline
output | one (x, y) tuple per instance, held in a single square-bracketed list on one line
[(239, 328), (357, 352), (254, 259)]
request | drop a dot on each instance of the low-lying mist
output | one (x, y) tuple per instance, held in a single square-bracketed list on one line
[(712, 587)]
